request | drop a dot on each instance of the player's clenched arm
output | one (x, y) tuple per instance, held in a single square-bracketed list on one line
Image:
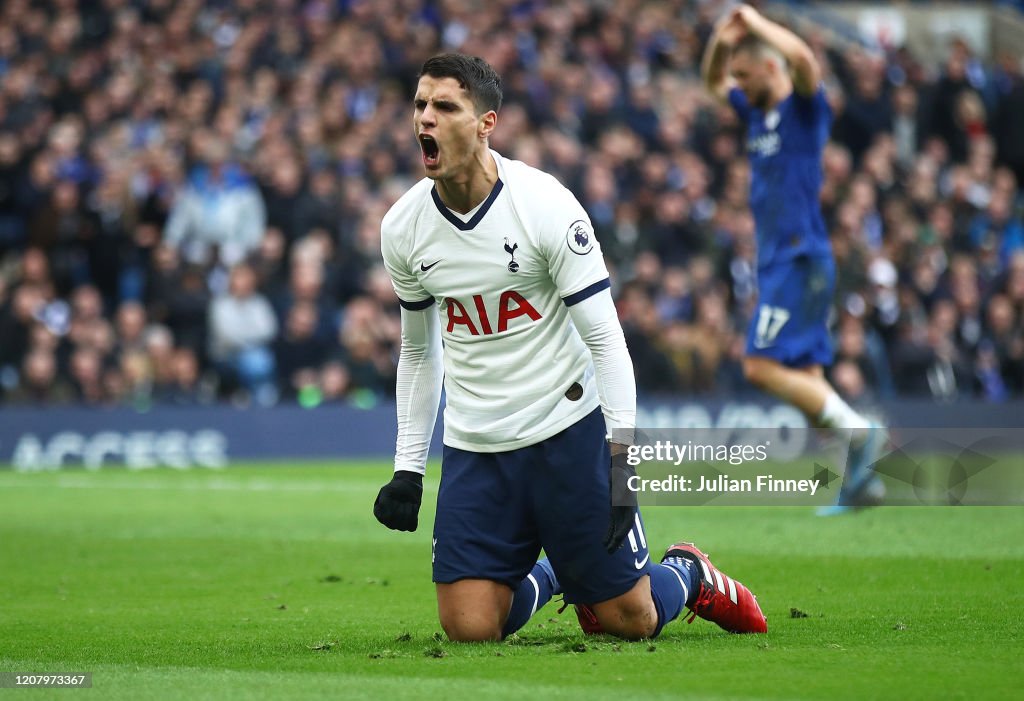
[(417, 387), (417, 394), (579, 273), (597, 322), (714, 66)]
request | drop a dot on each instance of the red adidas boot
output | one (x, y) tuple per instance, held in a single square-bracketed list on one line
[(721, 598)]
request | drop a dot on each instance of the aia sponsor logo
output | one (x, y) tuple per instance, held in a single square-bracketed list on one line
[(476, 320)]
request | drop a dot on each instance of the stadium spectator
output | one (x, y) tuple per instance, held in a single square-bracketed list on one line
[(307, 285), (1004, 335), (62, 228), (299, 349), (866, 376), (868, 110), (185, 386), (242, 328), (283, 195), (87, 375), (996, 228), (950, 104), (220, 214), (39, 383), (178, 296), (17, 320), (906, 123), (158, 343), (320, 205), (12, 226), (1006, 127), (367, 338), (130, 323), (334, 381)]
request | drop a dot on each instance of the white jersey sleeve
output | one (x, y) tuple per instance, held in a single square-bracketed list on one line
[(417, 388), (574, 257), (597, 322), (395, 246), (420, 370)]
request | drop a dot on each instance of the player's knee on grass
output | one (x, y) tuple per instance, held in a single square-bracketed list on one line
[(473, 610), (631, 616), (628, 622), (471, 629)]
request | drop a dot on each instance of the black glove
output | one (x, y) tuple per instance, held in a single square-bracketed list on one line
[(398, 502), (623, 502)]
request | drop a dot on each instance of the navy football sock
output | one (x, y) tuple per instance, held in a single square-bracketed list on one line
[(673, 585), (533, 592)]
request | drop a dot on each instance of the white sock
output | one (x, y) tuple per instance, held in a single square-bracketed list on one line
[(839, 416)]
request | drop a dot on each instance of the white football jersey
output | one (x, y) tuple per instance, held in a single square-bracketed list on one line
[(501, 278)]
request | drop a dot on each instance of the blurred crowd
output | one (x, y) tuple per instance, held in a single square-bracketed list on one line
[(191, 193)]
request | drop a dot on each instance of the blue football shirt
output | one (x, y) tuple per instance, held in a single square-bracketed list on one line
[(785, 146)]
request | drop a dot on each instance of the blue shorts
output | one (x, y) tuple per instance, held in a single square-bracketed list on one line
[(791, 321), (495, 511)]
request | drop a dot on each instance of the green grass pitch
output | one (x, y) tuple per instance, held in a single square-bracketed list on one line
[(276, 582)]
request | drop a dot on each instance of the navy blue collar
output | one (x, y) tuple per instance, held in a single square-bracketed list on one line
[(471, 224)]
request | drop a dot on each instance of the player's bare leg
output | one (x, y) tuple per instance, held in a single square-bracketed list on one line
[(807, 389), (473, 610)]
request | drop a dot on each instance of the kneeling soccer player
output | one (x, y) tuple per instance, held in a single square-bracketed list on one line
[(499, 261)]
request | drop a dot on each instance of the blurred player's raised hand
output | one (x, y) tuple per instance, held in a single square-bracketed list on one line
[(623, 502), (398, 502), (745, 15), (731, 28)]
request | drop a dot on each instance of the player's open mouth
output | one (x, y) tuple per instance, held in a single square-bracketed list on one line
[(431, 151)]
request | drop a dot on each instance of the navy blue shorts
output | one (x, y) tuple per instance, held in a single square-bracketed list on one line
[(791, 322), (495, 511)]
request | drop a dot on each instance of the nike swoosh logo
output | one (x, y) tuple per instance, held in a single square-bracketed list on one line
[(640, 563), (425, 268)]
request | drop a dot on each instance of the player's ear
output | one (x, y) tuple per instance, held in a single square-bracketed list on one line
[(486, 123)]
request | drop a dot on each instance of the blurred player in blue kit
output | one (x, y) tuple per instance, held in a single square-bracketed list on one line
[(505, 299), (772, 80)]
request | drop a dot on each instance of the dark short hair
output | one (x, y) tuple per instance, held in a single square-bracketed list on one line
[(474, 74)]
